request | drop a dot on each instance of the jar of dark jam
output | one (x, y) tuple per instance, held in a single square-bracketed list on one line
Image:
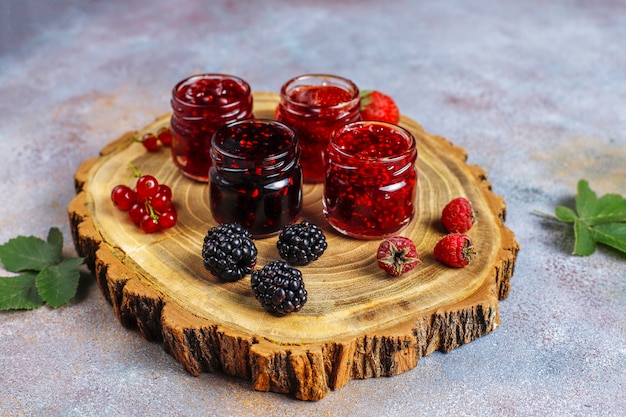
[(201, 104), (256, 177), (371, 179), (314, 106)]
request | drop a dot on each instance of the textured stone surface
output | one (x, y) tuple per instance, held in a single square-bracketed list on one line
[(534, 91)]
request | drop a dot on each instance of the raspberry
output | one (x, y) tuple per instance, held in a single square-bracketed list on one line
[(397, 255), (228, 252), (455, 250), (458, 216), (379, 106), (279, 288), (300, 244)]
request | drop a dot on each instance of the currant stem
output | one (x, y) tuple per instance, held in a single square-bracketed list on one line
[(545, 215), (153, 213), (136, 171)]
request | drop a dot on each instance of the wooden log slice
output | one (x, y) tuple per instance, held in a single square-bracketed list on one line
[(357, 323)]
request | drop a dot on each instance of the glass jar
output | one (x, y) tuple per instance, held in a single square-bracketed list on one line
[(371, 179), (256, 177), (314, 106), (201, 104)]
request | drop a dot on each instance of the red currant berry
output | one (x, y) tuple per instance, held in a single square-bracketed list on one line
[(165, 136), (149, 224), (165, 189), (123, 197), (147, 186), (161, 202), (137, 212), (168, 219), (150, 142)]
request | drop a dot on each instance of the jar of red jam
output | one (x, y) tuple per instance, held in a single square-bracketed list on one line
[(201, 104), (371, 179), (256, 177), (314, 106)]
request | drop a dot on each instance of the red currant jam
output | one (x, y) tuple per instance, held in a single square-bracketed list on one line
[(314, 106), (202, 104), (370, 184), (256, 177)]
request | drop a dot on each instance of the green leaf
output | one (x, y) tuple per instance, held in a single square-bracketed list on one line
[(611, 208), (611, 234), (27, 254), (565, 214), (585, 244), (608, 209), (57, 284), (55, 240), (19, 292), (586, 200), (596, 220)]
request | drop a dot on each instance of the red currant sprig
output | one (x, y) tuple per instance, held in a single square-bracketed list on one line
[(151, 140), (149, 204)]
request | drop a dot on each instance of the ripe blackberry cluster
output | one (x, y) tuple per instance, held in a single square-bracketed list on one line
[(279, 288), (228, 252), (302, 243)]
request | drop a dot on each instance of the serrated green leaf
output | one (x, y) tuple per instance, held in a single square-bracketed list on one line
[(586, 200), (55, 240), (585, 244), (19, 292), (57, 284), (565, 214), (593, 210), (610, 208), (27, 254), (611, 234)]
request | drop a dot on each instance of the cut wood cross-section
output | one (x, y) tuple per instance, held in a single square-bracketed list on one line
[(357, 323)]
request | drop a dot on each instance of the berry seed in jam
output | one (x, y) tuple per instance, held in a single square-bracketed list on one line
[(256, 177), (314, 106), (371, 179), (201, 105)]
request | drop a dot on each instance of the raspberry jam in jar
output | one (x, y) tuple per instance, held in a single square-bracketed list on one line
[(371, 179), (201, 104), (314, 106), (256, 177)]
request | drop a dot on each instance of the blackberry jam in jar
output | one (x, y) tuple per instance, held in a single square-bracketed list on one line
[(314, 106), (201, 104), (256, 177), (371, 179)]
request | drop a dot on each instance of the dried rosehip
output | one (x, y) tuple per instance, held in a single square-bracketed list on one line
[(397, 255)]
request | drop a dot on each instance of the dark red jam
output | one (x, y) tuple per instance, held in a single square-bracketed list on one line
[(256, 177), (314, 106), (370, 185), (202, 104)]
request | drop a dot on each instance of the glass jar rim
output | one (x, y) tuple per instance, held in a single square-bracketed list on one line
[(409, 152), (338, 81), (278, 156), (218, 76)]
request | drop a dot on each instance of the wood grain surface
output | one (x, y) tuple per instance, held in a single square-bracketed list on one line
[(357, 322)]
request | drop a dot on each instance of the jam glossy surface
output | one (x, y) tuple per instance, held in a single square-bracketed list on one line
[(371, 179), (201, 105), (256, 178), (314, 112)]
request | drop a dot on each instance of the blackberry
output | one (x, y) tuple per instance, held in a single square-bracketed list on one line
[(279, 288), (302, 243), (228, 252)]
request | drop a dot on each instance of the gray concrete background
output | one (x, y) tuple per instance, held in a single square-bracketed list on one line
[(535, 91)]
